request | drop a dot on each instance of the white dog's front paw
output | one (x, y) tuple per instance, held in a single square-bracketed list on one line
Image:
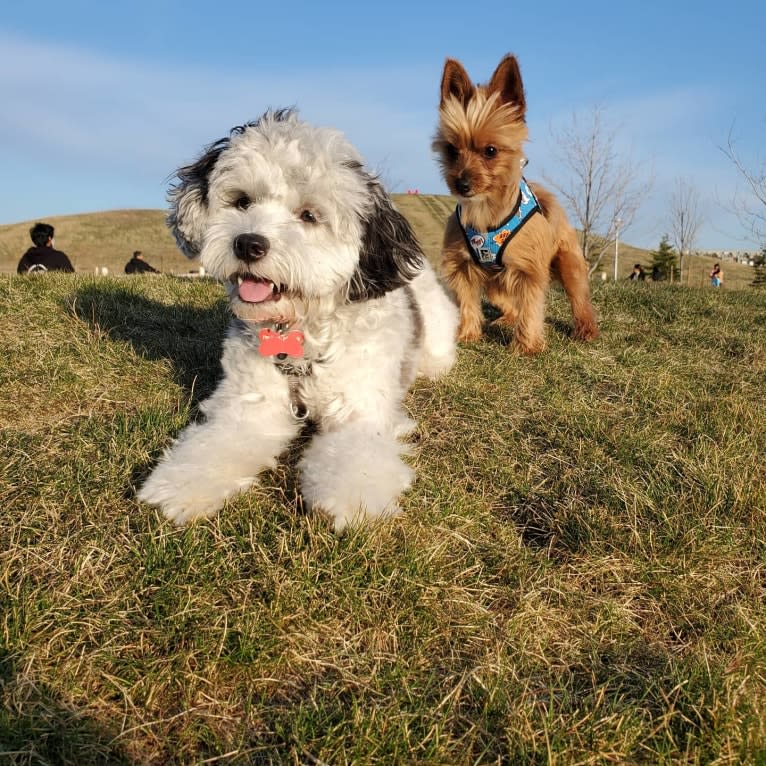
[(352, 475), (184, 493), (342, 516), (403, 426)]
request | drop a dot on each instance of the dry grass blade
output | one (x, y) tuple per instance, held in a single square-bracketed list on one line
[(578, 577)]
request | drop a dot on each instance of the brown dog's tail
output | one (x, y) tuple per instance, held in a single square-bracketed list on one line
[(572, 269), (569, 265)]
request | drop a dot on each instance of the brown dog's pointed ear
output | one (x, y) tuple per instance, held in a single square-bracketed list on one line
[(507, 80), (456, 82)]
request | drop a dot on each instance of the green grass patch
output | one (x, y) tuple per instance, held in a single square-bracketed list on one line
[(578, 576)]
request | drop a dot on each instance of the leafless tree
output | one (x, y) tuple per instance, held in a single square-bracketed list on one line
[(602, 189), (685, 219), (750, 205)]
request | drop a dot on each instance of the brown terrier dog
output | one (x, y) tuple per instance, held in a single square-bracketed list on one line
[(506, 237)]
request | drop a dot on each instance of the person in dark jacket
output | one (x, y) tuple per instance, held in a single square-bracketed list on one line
[(137, 265), (43, 256)]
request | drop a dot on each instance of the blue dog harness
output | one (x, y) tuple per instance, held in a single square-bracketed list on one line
[(487, 247)]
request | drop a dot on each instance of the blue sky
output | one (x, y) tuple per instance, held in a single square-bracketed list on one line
[(101, 101)]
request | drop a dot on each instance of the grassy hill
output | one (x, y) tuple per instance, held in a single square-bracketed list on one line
[(96, 240), (108, 239), (578, 576)]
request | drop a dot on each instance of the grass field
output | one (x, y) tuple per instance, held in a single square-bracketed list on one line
[(578, 577), (108, 239)]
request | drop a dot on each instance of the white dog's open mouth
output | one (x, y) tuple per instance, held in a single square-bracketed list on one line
[(253, 290)]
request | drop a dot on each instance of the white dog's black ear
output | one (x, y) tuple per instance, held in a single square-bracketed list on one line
[(390, 255), (188, 200)]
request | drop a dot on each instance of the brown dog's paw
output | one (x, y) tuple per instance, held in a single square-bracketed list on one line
[(506, 320), (528, 346), (585, 332), (469, 336), (469, 332)]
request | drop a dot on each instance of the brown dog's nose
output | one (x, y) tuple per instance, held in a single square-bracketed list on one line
[(250, 247), (462, 185)]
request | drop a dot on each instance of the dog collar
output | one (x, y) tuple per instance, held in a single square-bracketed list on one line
[(283, 345), (487, 247), (280, 343)]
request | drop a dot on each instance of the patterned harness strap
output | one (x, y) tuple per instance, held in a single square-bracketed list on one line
[(487, 247)]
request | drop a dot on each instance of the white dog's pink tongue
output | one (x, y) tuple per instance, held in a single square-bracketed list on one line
[(255, 291)]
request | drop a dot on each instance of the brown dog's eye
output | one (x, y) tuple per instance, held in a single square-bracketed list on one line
[(308, 217), (242, 203), (490, 152), (451, 151)]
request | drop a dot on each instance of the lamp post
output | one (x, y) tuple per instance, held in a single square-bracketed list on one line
[(617, 224)]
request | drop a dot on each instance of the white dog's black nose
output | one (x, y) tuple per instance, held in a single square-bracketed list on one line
[(250, 247)]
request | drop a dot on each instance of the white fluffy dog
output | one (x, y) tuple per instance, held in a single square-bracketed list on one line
[(335, 312)]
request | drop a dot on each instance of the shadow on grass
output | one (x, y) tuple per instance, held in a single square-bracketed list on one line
[(545, 525), (43, 729), (190, 337)]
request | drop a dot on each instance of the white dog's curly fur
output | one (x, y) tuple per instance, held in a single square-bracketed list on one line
[(305, 239)]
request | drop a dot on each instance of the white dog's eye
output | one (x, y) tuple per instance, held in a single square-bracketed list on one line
[(242, 203), (307, 216)]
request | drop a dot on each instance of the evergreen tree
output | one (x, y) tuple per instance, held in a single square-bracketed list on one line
[(760, 269), (664, 258)]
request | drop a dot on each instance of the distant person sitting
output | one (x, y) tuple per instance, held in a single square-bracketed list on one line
[(137, 265), (716, 276), (43, 257), (638, 274)]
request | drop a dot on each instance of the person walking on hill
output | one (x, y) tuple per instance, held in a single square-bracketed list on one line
[(716, 276), (137, 265), (43, 256)]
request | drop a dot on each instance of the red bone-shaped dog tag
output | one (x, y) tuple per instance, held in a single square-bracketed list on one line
[(275, 344)]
